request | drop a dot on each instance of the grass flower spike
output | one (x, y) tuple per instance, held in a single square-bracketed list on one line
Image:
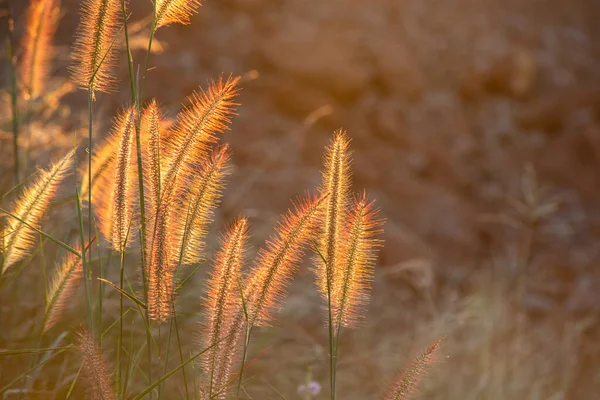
[(207, 188), (175, 11), (41, 23), (114, 199), (405, 386), (62, 289), (103, 162), (276, 263), (208, 113), (30, 208), (351, 292), (336, 182), (94, 50), (151, 138), (94, 369), (222, 296)]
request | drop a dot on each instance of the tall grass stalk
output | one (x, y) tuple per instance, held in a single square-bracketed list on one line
[(332, 336), (12, 56), (120, 340), (87, 273)]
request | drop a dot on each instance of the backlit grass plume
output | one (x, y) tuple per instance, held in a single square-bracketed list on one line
[(94, 370), (180, 228), (175, 11), (265, 287), (94, 50), (114, 198), (405, 386), (351, 291), (30, 208), (62, 289), (223, 293), (276, 263), (151, 139), (102, 162), (41, 22), (208, 113), (206, 190), (336, 182), (160, 268)]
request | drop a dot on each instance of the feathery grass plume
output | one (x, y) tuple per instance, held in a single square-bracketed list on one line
[(207, 188), (94, 369), (209, 113), (408, 379), (179, 230), (351, 292), (103, 163), (94, 48), (31, 208), (336, 182), (160, 269), (62, 289), (273, 268), (114, 198), (221, 300), (276, 263), (175, 11), (151, 138), (41, 23)]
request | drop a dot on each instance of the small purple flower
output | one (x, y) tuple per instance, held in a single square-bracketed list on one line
[(314, 388)]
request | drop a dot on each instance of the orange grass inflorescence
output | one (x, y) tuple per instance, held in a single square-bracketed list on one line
[(41, 23), (30, 209), (276, 263), (179, 229), (95, 370), (351, 289), (114, 199), (95, 43), (62, 289), (175, 11), (222, 299), (336, 181), (405, 386)]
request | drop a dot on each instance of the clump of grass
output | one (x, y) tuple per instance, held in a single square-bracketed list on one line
[(184, 170)]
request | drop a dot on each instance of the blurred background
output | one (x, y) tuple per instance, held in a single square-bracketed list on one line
[(475, 125)]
